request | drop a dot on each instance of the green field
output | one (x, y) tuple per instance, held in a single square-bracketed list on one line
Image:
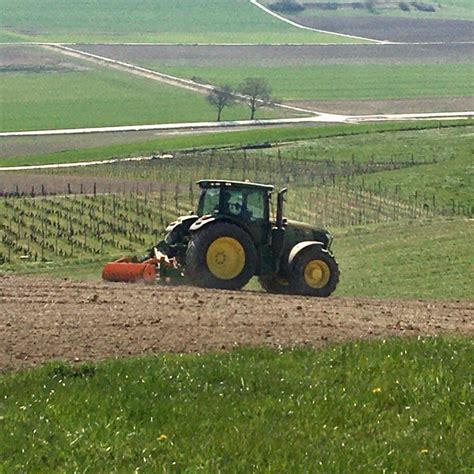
[(388, 223), (440, 152), (349, 81), (450, 178), (166, 21), (397, 405), (101, 97)]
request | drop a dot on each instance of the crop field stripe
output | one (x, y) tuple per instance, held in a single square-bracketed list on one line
[(297, 25)]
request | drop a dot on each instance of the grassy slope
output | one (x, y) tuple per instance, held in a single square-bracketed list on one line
[(398, 406), (235, 138), (345, 81), (100, 98), (450, 181), (149, 21), (374, 252), (412, 260), (450, 178)]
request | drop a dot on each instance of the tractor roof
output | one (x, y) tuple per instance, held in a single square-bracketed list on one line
[(219, 183)]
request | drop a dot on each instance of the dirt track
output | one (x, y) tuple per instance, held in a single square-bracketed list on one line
[(45, 319)]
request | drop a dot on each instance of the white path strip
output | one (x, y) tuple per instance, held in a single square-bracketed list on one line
[(302, 27), (420, 116), (82, 163), (325, 118)]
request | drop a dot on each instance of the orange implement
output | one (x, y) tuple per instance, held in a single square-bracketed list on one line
[(125, 270)]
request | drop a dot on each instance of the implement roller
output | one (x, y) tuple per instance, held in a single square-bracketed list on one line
[(128, 270)]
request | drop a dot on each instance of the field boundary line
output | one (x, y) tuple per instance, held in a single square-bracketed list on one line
[(297, 25)]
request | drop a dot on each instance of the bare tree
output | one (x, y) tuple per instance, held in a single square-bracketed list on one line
[(257, 93), (221, 97)]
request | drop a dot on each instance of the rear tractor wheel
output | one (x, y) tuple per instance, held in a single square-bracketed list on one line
[(221, 256), (313, 272)]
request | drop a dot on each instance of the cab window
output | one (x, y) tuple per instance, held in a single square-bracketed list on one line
[(209, 201), (255, 203)]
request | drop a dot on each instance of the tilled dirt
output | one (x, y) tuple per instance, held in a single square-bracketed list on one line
[(46, 319), (389, 106), (411, 30), (156, 56)]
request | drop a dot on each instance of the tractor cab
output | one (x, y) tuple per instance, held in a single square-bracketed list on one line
[(240, 202)]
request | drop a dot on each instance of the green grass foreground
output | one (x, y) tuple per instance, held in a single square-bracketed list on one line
[(397, 405)]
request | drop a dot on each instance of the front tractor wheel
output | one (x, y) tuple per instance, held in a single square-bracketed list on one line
[(221, 256), (313, 272)]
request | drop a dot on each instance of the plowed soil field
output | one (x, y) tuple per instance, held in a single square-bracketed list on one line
[(45, 319), (411, 30), (154, 56)]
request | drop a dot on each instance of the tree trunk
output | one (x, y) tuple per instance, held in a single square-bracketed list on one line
[(253, 110)]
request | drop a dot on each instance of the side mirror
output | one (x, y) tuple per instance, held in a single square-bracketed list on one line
[(281, 199)]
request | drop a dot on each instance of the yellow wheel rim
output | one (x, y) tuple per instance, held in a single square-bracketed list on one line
[(225, 258), (316, 273)]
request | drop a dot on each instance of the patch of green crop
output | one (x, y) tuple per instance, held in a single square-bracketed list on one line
[(344, 81), (394, 405), (449, 183), (101, 98), (150, 21), (442, 157), (431, 259)]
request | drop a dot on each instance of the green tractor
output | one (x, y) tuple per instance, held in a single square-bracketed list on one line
[(235, 235)]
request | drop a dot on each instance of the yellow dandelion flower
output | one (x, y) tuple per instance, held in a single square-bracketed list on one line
[(376, 390), (163, 437)]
